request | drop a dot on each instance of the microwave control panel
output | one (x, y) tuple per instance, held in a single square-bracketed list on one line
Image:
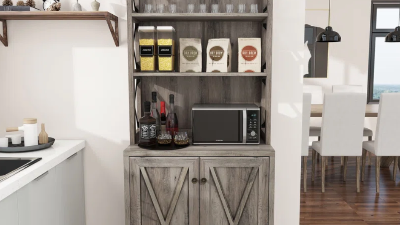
[(253, 126)]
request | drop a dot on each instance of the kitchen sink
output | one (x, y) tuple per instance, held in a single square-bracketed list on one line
[(12, 166)]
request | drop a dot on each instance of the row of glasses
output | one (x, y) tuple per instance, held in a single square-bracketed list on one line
[(148, 8)]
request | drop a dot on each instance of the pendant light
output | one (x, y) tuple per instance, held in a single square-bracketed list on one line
[(329, 35), (395, 35)]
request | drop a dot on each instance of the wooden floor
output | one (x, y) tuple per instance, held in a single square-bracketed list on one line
[(341, 204)]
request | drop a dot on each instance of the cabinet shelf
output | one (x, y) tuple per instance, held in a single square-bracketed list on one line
[(203, 74), (101, 15), (143, 17)]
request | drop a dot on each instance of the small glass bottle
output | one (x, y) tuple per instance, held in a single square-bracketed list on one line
[(148, 128), (154, 111), (163, 117), (172, 119)]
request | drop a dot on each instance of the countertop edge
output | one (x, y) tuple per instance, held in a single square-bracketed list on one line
[(48, 162)]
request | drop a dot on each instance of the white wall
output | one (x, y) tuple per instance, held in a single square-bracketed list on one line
[(70, 75), (348, 60), (287, 77)]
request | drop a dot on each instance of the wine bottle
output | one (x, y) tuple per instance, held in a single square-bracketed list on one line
[(172, 120), (163, 116), (148, 128), (154, 111)]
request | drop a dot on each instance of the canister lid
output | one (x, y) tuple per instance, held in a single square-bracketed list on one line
[(146, 29), (165, 29), (30, 121)]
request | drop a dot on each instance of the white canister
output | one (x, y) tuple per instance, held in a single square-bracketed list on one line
[(15, 138), (30, 130), (4, 142)]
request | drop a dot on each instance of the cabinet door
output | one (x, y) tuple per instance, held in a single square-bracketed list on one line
[(234, 191), (9, 210), (164, 191), (70, 191), (37, 201)]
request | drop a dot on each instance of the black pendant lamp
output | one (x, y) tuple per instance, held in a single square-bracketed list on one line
[(395, 35), (329, 35)]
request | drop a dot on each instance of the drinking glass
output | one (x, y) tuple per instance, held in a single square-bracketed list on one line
[(254, 8), (203, 8), (242, 8), (214, 8), (190, 8), (229, 8), (172, 8), (160, 8), (148, 8)]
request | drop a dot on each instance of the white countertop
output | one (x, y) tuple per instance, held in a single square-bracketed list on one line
[(51, 157)]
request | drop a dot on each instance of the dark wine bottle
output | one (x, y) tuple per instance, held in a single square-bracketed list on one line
[(163, 117), (172, 119), (148, 128)]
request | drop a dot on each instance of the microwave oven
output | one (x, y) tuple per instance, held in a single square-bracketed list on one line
[(225, 124)]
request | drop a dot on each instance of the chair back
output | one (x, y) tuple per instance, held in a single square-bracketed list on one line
[(306, 124), (317, 94), (347, 89), (387, 140), (342, 124)]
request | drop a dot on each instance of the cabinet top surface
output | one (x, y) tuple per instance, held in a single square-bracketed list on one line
[(51, 157), (261, 150)]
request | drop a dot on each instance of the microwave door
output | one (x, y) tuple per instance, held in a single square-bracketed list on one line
[(218, 126)]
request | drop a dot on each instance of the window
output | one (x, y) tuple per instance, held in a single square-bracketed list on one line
[(384, 57)]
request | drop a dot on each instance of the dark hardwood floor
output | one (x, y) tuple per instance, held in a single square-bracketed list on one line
[(341, 204)]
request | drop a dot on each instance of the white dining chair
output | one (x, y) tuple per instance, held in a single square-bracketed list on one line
[(342, 131), (387, 136), (353, 89), (317, 97), (305, 147)]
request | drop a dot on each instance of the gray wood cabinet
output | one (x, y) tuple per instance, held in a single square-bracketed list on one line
[(198, 190), (9, 210)]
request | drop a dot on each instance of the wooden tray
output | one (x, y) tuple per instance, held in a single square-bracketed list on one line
[(21, 148), (159, 147)]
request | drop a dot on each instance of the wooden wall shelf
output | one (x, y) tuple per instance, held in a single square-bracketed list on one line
[(101, 15), (140, 17)]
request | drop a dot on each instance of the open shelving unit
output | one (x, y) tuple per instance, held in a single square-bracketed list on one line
[(37, 15), (204, 87)]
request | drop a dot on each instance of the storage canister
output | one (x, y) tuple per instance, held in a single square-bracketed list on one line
[(147, 48), (166, 48)]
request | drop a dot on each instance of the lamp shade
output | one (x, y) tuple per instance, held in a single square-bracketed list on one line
[(329, 35), (393, 36)]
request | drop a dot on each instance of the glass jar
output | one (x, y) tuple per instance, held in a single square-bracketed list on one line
[(147, 48), (166, 48)]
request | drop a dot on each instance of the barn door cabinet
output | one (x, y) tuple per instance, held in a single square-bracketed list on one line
[(232, 189)]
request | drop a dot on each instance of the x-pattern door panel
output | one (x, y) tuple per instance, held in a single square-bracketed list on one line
[(234, 191), (165, 191)]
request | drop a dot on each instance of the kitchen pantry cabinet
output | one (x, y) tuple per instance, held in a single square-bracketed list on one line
[(193, 190)]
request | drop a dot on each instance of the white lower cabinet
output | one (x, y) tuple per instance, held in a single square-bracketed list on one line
[(56, 197), (37, 201), (71, 193), (9, 210)]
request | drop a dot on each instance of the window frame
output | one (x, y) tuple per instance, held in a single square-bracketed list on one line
[(374, 33)]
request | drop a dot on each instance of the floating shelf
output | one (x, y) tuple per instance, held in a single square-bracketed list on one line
[(255, 17), (35, 15), (178, 74)]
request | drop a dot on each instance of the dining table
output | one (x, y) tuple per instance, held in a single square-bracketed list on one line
[(371, 110)]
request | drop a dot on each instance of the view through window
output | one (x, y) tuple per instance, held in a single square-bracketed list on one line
[(384, 57)]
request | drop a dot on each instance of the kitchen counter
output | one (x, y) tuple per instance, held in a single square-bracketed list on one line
[(51, 157)]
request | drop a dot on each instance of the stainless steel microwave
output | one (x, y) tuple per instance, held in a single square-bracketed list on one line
[(225, 124)]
